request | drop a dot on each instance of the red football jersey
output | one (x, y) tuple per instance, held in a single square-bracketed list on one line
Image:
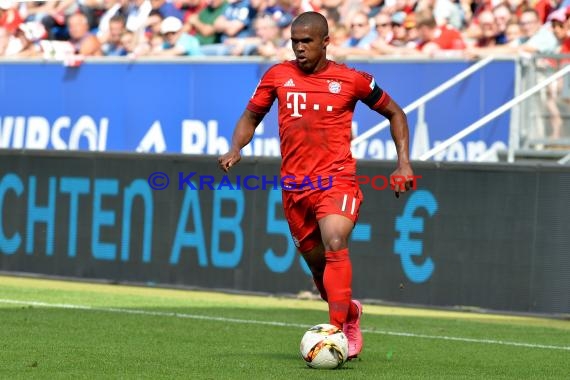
[(315, 115)]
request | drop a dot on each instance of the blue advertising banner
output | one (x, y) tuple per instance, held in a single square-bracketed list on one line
[(191, 107), (178, 220)]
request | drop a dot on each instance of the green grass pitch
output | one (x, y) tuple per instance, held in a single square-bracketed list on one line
[(75, 330)]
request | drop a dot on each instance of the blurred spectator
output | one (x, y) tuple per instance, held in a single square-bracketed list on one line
[(535, 38), (202, 24), (10, 18), (25, 41), (272, 40), (383, 25), (530, 26), (518, 7), (544, 8), (4, 40), (436, 39), (488, 32), (190, 8), (132, 46), (93, 9), (343, 8), (279, 11), (111, 9), (513, 32), (371, 8), (360, 38), (167, 9), (260, 27), (424, 6), (411, 30), (267, 40), (114, 44), (559, 21), (447, 12), (399, 33), (332, 15), (84, 42), (37, 10), (152, 39), (339, 35), (466, 7), (236, 21), (55, 20), (176, 41), (137, 15), (392, 7), (503, 17), (296, 7), (399, 43)]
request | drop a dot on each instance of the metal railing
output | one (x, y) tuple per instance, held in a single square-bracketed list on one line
[(425, 98), (497, 112), (564, 160)]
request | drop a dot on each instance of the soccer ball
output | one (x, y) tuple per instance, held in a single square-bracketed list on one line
[(324, 346)]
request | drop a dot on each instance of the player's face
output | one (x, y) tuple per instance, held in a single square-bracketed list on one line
[(309, 47)]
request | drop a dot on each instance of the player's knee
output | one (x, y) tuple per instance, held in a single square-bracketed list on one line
[(336, 243)]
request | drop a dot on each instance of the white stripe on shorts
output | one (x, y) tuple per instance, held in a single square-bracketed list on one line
[(353, 205), (344, 202)]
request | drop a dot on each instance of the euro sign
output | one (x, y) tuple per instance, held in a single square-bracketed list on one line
[(406, 247)]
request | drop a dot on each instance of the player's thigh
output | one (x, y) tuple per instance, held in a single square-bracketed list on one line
[(337, 211), (344, 198), (335, 231), (302, 220)]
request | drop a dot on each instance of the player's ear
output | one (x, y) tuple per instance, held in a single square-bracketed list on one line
[(326, 41)]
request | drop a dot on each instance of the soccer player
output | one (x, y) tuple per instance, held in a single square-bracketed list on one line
[(316, 99)]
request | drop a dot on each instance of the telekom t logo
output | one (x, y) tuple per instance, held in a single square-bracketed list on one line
[(296, 105)]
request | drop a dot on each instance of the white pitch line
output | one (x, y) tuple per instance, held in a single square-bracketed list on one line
[(275, 323)]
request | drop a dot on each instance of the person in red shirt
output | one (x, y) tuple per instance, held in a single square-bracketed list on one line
[(316, 100), (434, 39), (9, 16)]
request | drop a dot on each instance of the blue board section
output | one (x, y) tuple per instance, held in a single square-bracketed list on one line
[(192, 107)]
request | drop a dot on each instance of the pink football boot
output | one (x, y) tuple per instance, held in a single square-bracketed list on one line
[(352, 331)]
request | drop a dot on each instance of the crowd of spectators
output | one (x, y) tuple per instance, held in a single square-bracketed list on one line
[(135, 28)]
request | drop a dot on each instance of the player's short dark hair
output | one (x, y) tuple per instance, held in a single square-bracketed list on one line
[(313, 20)]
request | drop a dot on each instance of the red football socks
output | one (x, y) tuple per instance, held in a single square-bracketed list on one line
[(337, 281)]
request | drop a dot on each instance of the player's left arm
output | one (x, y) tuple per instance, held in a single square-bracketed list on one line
[(378, 100)]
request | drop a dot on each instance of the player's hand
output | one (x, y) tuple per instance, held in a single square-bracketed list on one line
[(402, 179), (228, 160)]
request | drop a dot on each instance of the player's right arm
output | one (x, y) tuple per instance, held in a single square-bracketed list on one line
[(243, 134), (257, 108)]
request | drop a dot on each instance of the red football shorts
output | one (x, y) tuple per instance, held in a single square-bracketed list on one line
[(303, 210)]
